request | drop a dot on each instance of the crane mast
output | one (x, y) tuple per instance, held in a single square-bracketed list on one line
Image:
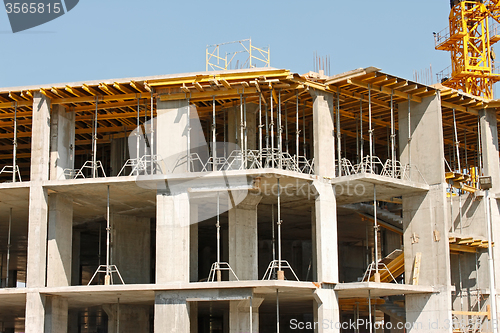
[(469, 38)]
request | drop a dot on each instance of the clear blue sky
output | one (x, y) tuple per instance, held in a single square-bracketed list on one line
[(115, 39)]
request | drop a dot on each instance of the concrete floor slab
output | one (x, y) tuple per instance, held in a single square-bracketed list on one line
[(360, 289), (359, 188)]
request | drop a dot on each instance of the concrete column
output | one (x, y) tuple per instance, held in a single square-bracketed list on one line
[(325, 234), (243, 240), (56, 315), (326, 309), (489, 147), (62, 141), (323, 133), (172, 135), (125, 318), (38, 201), (131, 247), (75, 259), (425, 216), (171, 313), (491, 167), (59, 247), (193, 244), (35, 313), (172, 237), (239, 315)]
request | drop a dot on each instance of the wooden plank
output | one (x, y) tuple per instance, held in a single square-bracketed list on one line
[(416, 268), (461, 248)]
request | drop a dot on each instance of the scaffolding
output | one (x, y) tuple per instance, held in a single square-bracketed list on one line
[(243, 55)]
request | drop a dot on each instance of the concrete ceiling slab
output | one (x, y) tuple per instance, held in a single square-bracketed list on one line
[(359, 188)]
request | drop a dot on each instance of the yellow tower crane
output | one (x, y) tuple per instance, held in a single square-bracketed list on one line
[(469, 38)]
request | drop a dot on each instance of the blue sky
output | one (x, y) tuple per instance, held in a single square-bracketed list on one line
[(115, 39)]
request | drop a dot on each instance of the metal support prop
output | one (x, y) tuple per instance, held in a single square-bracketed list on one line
[(286, 128), (137, 134), (277, 311), (272, 129), (370, 310), (339, 138), (94, 139), (214, 136), (273, 235), (465, 145), (152, 130), (260, 128), (219, 277), (493, 293), (393, 136), (251, 315), (118, 316), (14, 154), (280, 133), (245, 129), (304, 129), (297, 130), (242, 139), (479, 151), (107, 278), (362, 138), (188, 121), (409, 133), (370, 129), (457, 143), (8, 248), (267, 129), (375, 227), (279, 225)]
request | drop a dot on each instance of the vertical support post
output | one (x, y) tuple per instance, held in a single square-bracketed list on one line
[(272, 129), (14, 154), (260, 128), (361, 133), (277, 311), (188, 138), (138, 136), (375, 229), (409, 134), (242, 140), (493, 294), (152, 131), (457, 143), (339, 139), (107, 278), (370, 310), (251, 314), (304, 147), (280, 137), (393, 136), (8, 248), (94, 141), (297, 131), (214, 134), (245, 129), (219, 277), (280, 273), (370, 129)]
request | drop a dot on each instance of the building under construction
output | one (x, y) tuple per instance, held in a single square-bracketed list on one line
[(251, 200)]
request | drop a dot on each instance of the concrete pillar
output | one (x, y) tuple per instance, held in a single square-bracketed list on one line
[(35, 313), (131, 237), (326, 309), (425, 216), (172, 237), (172, 135), (37, 223), (323, 133), (125, 318), (325, 234), (239, 315), (59, 247), (56, 315), (171, 313), (193, 244), (62, 141), (491, 167), (75, 258), (243, 240)]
